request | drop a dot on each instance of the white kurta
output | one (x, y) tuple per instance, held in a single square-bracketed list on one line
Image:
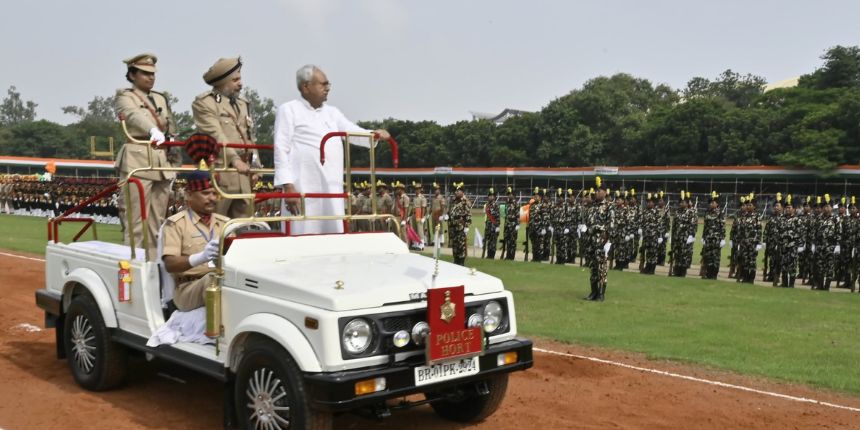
[(299, 128)]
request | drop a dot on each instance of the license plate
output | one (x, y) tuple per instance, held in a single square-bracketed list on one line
[(446, 371)]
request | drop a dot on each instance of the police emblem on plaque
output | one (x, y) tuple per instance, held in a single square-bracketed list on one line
[(448, 310)]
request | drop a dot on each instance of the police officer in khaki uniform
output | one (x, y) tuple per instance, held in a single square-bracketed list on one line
[(148, 117), (225, 115), (419, 211), (191, 241)]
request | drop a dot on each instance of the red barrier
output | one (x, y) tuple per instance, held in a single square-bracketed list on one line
[(395, 154)]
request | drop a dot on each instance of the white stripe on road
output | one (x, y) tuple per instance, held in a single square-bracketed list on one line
[(706, 381), (22, 257)]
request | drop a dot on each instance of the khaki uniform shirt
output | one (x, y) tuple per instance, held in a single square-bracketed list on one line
[(420, 206), (227, 123), (143, 112), (185, 234)]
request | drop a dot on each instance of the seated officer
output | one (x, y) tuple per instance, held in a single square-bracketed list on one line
[(191, 241)]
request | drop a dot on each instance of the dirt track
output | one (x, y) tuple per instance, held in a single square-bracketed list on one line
[(37, 391)]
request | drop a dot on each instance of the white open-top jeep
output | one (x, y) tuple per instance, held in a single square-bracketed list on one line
[(303, 326)]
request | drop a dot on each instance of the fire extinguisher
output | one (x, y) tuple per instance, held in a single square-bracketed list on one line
[(124, 276)]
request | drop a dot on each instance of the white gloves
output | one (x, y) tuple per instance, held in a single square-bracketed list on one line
[(659, 240), (627, 238), (566, 231), (551, 230), (758, 247), (666, 235), (722, 243), (443, 217), (812, 248), (639, 232), (517, 227), (764, 244), (497, 229), (465, 229), (837, 249), (606, 248), (801, 248), (543, 232), (583, 228), (403, 222), (690, 239), (155, 135), (206, 255)]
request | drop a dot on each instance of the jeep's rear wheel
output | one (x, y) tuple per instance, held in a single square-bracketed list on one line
[(466, 405), (270, 393), (96, 362)]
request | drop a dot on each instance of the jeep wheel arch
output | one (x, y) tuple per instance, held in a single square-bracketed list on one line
[(279, 330), (95, 286)]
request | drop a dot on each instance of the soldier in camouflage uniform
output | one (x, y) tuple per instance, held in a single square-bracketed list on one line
[(635, 217), (843, 262), (546, 225), (748, 237), (512, 225), (651, 237), (619, 236), (459, 221), (827, 247), (804, 232), (582, 228), (559, 220), (664, 219), (771, 242), (538, 225), (790, 244), (574, 210), (492, 224), (854, 212), (684, 235), (713, 238), (600, 227)]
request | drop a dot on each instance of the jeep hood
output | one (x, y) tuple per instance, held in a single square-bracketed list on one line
[(344, 272)]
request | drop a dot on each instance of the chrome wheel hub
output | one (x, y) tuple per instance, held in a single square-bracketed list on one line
[(83, 344), (267, 399)]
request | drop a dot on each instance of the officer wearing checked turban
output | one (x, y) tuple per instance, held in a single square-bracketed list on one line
[(225, 115)]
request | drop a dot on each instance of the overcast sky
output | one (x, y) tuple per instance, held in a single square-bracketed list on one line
[(419, 60)]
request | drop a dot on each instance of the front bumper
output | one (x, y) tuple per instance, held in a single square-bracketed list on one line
[(335, 391)]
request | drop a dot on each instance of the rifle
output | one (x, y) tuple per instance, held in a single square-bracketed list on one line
[(552, 246)]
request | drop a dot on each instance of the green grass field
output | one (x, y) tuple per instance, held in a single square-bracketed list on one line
[(792, 335)]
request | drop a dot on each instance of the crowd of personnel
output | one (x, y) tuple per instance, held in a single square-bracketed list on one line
[(31, 195), (814, 238)]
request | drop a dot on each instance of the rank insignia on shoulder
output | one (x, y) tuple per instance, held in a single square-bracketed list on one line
[(217, 98)]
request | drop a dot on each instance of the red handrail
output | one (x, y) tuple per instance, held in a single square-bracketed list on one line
[(395, 155), (53, 223)]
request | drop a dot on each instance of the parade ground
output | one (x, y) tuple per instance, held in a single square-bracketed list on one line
[(660, 352)]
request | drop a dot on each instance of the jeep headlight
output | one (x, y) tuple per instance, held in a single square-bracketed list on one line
[(357, 336), (493, 315)]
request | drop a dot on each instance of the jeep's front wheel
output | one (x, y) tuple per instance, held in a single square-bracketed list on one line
[(466, 404), (270, 393), (96, 362)]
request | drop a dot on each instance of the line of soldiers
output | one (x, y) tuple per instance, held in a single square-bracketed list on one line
[(27, 195), (817, 240)]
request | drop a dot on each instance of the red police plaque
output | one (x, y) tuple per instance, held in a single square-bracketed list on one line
[(449, 337)]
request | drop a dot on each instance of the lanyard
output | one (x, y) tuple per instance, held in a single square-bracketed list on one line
[(211, 228)]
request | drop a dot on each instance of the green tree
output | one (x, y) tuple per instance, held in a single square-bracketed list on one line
[(841, 69), (15, 110)]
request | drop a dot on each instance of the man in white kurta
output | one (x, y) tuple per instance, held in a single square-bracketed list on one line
[(299, 127)]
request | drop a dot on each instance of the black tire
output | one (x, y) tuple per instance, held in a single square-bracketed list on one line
[(269, 381), (469, 406), (96, 362)]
